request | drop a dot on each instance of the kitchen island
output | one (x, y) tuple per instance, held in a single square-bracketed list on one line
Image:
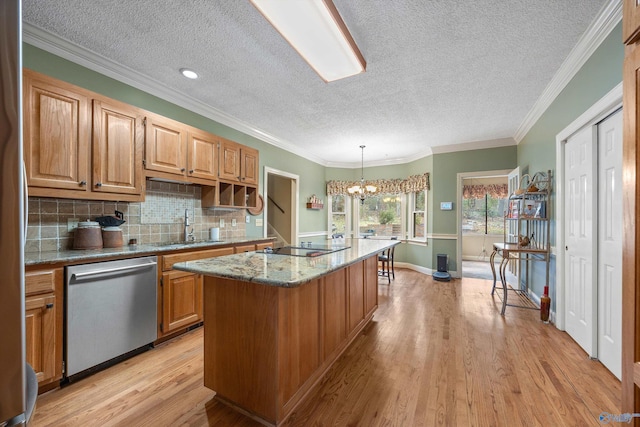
[(275, 324)]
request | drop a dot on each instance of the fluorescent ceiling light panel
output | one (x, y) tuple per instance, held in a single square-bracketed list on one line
[(317, 32)]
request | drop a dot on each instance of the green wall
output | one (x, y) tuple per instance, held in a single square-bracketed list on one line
[(537, 150)]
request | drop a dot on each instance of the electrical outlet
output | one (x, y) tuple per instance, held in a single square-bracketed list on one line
[(221, 223), (72, 224), (247, 219), (258, 222), (233, 222)]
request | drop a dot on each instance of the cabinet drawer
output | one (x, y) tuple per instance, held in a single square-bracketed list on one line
[(43, 281), (169, 260)]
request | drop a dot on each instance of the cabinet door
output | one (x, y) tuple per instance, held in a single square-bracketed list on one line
[(261, 246), (244, 248), (181, 300), (249, 169), (631, 241), (631, 21), (166, 146), (203, 155), (229, 160), (40, 333), (118, 141), (56, 134)]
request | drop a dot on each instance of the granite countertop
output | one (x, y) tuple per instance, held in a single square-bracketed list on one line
[(282, 270), (95, 255)]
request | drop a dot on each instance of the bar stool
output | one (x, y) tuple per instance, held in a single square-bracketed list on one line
[(386, 259)]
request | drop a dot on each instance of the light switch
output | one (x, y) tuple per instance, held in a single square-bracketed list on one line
[(247, 219), (221, 223), (258, 222), (233, 222)]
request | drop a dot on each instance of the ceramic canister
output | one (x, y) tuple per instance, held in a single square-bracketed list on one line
[(88, 235), (112, 237)]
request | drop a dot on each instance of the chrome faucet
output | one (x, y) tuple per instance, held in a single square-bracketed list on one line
[(188, 235)]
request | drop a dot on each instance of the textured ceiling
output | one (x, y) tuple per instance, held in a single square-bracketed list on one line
[(439, 73)]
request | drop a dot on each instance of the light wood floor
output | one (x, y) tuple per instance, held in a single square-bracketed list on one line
[(436, 353)]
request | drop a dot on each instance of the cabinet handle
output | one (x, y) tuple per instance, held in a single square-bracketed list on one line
[(83, 183), (182, 170), (50, 305), (98, 184), (191, 171)]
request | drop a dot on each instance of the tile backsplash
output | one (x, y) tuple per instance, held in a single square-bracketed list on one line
[(159, 219)]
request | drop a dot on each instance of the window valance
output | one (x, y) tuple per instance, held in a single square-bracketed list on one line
[(477, 191), (385, 186)]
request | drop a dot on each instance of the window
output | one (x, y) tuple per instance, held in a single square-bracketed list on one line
[(381, 216), (338, 215), (483, 216), (418, 220)]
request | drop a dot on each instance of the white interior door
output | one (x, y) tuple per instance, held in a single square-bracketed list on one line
[(579, 238), (610, 243)]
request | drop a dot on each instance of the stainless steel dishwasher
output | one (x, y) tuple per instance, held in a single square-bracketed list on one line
[(111, 310)]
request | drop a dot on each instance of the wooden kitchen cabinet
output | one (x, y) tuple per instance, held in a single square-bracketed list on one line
[(118, 144), (181, 300), (238, 249), (262, 246), (180, 293), (238, 163), (631, 21), (176, 151), (64, 142), (56, 136), (44, 325)]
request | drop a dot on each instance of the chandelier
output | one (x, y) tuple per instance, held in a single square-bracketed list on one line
[(363, 190)]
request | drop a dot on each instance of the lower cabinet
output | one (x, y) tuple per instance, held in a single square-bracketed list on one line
[(180, 293), (43, 324), (181, 300)]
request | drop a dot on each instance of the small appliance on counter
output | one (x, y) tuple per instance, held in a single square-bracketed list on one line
[(88, 235)]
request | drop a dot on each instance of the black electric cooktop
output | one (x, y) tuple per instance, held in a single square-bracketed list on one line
[(306, 251)]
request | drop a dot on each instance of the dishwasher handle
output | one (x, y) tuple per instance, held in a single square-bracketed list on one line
[(112, 270)]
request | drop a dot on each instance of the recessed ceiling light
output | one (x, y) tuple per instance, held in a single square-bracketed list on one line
[(190, 74)]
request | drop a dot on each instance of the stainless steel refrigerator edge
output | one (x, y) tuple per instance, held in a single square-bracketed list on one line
[(12, 341)]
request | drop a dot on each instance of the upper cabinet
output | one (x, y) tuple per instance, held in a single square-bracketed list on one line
[(118, 142), (179, 152), (81, 145), (631, 21), (56, 135), (70, 152), (238, 163)]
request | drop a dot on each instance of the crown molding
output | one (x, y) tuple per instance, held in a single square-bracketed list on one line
[(610, 15), (79, 55), (474, 145)]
